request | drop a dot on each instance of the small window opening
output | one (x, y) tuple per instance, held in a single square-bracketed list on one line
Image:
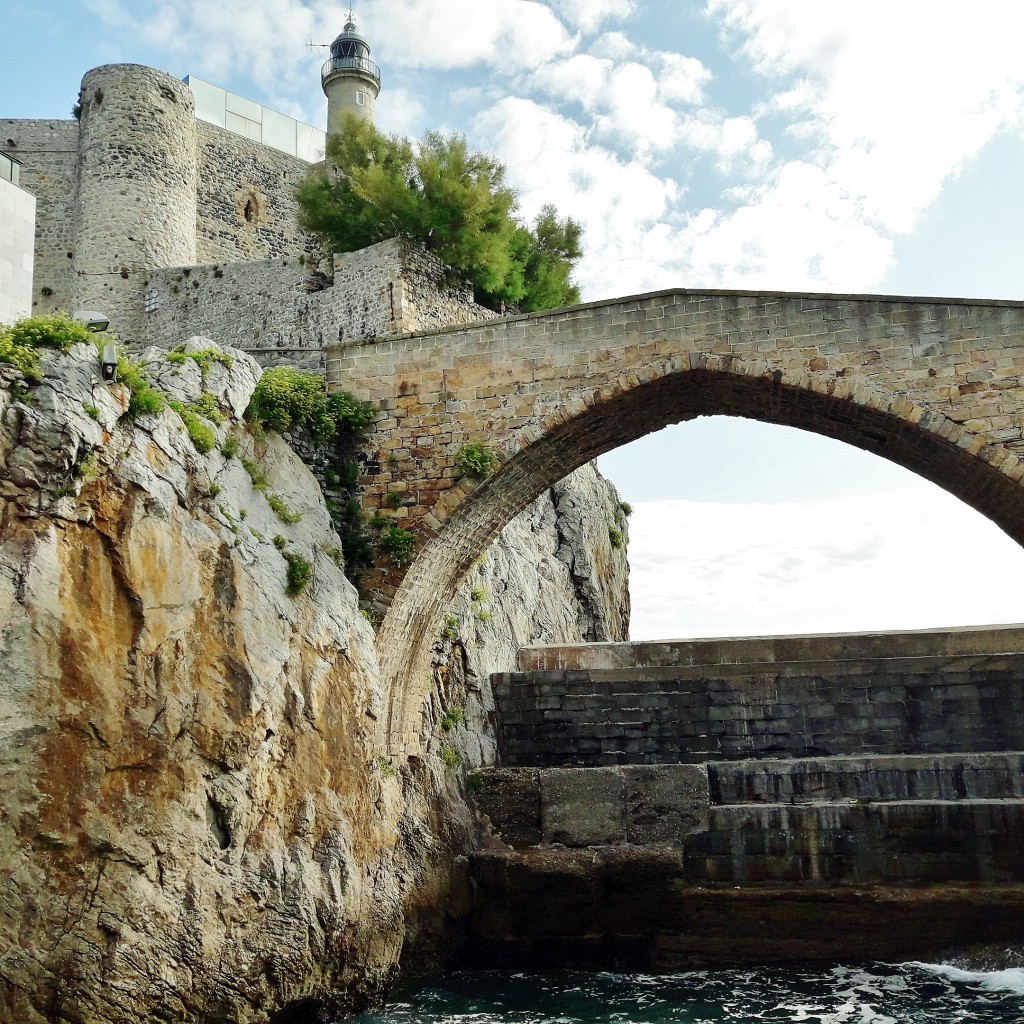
[(361, 99), (250, 210)]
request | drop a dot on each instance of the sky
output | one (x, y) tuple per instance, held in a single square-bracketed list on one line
[(795, 145)]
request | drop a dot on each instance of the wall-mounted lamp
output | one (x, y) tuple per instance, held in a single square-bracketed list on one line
[(108, 365), (93, 321)]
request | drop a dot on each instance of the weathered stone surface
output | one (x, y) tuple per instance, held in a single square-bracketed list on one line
[(194, 823), (199, 820), (928, 692), (583, 807), (649, 805), (665, 802), (631, 908), (511, 799), (551, 573)]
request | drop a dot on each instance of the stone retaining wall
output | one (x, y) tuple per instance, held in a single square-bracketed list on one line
[(284, 311), (692, 713)]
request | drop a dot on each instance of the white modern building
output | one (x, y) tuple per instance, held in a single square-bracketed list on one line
[(17, 243)]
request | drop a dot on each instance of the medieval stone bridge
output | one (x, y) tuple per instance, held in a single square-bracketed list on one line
[(931, 384)]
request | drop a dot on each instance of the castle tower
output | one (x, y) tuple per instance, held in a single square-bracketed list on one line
[(136, 189), (351, 81)]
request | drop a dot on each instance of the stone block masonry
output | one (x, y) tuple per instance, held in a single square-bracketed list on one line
[(48, 153), (284, 311), (934, 385), (768, 697)]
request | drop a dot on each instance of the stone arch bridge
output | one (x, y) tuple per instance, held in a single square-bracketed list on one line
[(934, 385)]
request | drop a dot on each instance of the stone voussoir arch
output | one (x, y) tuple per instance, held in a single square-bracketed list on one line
[(932, 384)]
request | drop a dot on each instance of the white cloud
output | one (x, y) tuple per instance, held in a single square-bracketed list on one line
[(508, 35), (904, 93), (619, 202), (681, 79), (590, 15), (797, 230), (878, 562), (732, 140)]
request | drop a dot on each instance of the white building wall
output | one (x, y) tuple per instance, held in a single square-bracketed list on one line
[(17, 248)]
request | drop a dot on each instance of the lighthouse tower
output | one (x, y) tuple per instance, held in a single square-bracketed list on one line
[(350, 79)]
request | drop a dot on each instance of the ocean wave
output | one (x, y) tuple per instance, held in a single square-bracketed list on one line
[(1010, 979)]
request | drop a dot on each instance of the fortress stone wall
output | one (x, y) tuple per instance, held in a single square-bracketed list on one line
[(245, 204), (284, 311), (48, 154), (175, 227)]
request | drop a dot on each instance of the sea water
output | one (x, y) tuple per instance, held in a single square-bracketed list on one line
[(911, 993)]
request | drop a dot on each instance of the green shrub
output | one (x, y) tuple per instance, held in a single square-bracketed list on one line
[(452, 718), (89, 469), (476, 459), (395, 499), (625, 508), (285, 398), (146, 400), (450, 757), (280, 542), (20, 342), (92, 411), (300, 573), (202, 435), (55, 330), (281, 509), (479, 594), (206, 357), (206, 405), (256, 474), (451, 628), (336, 555), (616, 538), (229, 449), (398, 544)]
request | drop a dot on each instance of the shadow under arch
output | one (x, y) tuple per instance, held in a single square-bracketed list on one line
[(885, 424)]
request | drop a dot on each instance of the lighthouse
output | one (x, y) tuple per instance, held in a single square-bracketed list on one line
[(351, 81)]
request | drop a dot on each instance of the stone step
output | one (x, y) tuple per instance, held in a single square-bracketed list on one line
[(634, 908), (860, 842), (873, 778)]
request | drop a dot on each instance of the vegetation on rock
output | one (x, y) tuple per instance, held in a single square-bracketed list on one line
[(21, 342), (286, 398), (453, 200), (476, 459), (201, 433), (300, 573)]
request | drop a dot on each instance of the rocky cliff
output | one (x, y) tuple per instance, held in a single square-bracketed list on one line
[(197, 820)]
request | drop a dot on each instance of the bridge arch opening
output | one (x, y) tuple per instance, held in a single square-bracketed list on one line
[(884, 424), (742, 528)]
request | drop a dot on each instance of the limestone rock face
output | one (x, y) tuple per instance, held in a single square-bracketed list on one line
[(194, 824), (198, 821), (553, 576)]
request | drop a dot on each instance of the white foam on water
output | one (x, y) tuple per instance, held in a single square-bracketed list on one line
[(1010, 980)]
